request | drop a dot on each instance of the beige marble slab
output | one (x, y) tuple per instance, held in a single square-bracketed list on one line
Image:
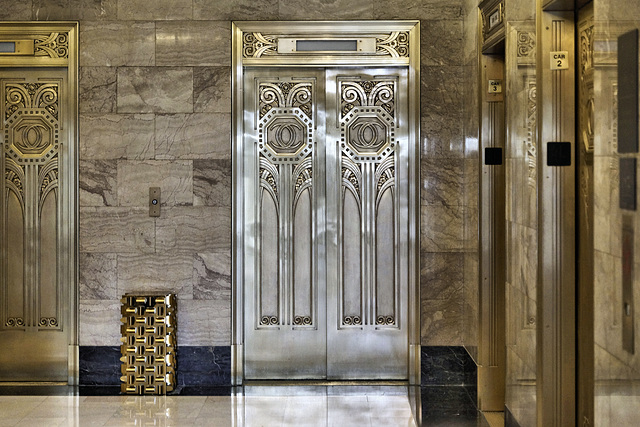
[(98, 276), (119, 230), (117, 136), (94, 10), (193, 136), (212, 182), (101, 43), (441, 275), (417, 9), (193, 43), (193, 229), (325, 9), (235, 10), (441, 42), (16, 10), (97, 90), (441, 228), (155, 10), (175, 179), (155, 90), (442, 321), (212, 276), (204, 322), (98, 182), (212, 89), (156, 273), (99, 322)]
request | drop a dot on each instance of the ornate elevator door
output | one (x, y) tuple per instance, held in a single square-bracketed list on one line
[(326, 219), (38, 116)]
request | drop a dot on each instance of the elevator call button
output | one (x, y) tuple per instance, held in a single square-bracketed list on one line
[(560, 60)]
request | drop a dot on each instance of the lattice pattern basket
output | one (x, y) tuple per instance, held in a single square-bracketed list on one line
[(149, 343)]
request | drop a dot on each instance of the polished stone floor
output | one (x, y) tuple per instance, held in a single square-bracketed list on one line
[(339, 406)]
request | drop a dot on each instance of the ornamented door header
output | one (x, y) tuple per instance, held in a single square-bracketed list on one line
[(38, 43), (325, 43)]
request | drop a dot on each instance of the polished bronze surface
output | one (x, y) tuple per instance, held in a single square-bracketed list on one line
[(149, 343), (38, 269)]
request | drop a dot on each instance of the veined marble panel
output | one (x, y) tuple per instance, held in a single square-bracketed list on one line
[(51, 10), (325, 9), (441, 90), (101, 43), (604, 205), (156, 273), (193, 136), (196, 43), (416, 9), (471, 227), (212, 182), (155, 90), (212, 89), (98, 276), (99, 322), (471, 181), (441, 228), (97, 90), (175, 179), (204, 322), (154, 10), (98, 182), (94, 10), (212, 276), (442, 181), (193, 229), (235, 10), (442, 136), (117, 136), (441, 275), (604, 298), (442, 321), (441, 42), (16, 11), (119, 230)]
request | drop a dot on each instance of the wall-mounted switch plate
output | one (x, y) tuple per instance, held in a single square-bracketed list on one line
[(154, 201)]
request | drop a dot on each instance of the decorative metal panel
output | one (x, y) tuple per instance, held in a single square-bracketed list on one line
[(394, 44), (368, 226), (285, 126), (32, 295), (149, 343)]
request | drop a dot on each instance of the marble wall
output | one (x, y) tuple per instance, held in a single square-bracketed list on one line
[(617, 371), (155, 111)]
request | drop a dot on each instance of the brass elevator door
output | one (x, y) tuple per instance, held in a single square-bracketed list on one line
[(325, 167), (33, 323)]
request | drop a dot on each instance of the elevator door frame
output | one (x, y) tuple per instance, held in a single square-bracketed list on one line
[(54, 46), (260, 44)]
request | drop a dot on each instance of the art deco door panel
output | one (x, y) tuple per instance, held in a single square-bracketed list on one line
[(284, 166), (32, 328), (367, 187), (325, 158)]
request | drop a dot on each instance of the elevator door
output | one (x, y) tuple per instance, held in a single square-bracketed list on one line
[(33, 326), (326, 219)]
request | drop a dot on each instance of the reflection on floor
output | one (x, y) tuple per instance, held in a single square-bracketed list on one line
[(339, 406)]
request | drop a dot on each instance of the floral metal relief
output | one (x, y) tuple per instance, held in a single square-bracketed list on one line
[(395, 45), (55, 45), (526, 44), (257, 45)]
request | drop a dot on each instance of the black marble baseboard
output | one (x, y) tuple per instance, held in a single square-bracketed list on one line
[(201, 366), (448, 366), (209, 366)]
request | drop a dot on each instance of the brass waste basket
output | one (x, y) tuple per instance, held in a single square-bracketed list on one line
[(149, 343)]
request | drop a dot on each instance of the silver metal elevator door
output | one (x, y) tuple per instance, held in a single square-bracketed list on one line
[(33, 320), (326, 219)]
